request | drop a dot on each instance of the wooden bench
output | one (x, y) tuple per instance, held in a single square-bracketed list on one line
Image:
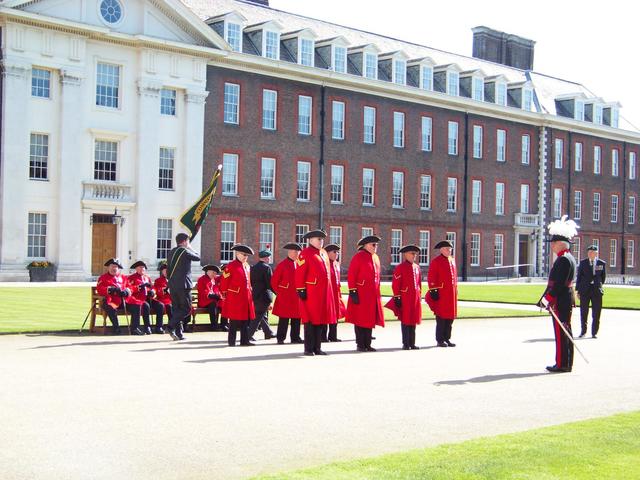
[(97, 302)]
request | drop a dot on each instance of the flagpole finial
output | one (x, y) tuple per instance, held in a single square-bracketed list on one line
[(220, 166)]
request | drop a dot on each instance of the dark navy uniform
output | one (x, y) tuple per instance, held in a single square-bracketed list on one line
[(591, 278), (180, 285), (263, 296)]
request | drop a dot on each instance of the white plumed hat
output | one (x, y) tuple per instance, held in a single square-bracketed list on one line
[(563, 230)]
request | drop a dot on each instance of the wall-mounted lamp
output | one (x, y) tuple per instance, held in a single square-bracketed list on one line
[(117, 219)]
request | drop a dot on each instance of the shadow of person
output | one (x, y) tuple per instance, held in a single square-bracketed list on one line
[(490, 378), (286, 356), (538, 340)]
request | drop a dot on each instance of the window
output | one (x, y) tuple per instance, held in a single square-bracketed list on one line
[(370, 65), (340, 59), (111, 11), (524, 198), (615, 118), (337, 183), (424, 244), (525, 158), (632, 211), (579, 111), (269, 109), (301, 231), (527, 102), (501, 94), (105, 160), (596, 207), (499, 198), (165, 233), (453, 83), (557, 202), (631, 253), (227, 240), (335, 235), (231, 103), (40, 83), (597, 114), (230, 174), (398, 129), (304, 180), (400, 72), (453, 138), (37, 235), (578, 157), (234, 36), (427, 78), (614, 208), (268, 178), (337, 122), (559, 152), (167, 102), (613, 253), (107, 85), (425, 192), (475, 249), (452, 194), (266, 236), (426, 133), (272, 45), (369, 127), (451, 237), (633, 165), (597, 160), (476, 196), (306, 52), (396, 244), (478, 89), (498, 249), (477, 141), (596, 242), (501, 145), (304, 115), (366, 231), (39, 156), (368, 185), (575, 248), (577, 205), (615, 163), (397, 200), (165, 171)]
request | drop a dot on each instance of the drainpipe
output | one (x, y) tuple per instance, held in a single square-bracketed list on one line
[(623, 249), (321, 173), (465, 195), (569, 167)]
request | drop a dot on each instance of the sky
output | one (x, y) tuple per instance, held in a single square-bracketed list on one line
[(588, 42)]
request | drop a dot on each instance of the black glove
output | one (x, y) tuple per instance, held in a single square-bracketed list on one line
[(211, 296), (142, 287), (166, 291), (124, 293), (151, 294), (435, 294), (148, 285), (215, 296), (112, 290), (353, 295), (397, 301), (302, 293)]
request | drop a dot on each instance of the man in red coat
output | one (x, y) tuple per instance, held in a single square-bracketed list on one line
[(162, 303), (364, 308), (313, 284), (112, 285), (341, 309), (286, 306), (138, 302), (442, 296), (407, 296), (238, 300), (209, 294)]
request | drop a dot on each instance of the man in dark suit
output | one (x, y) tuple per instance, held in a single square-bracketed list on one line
[(591, 277), (180, 284), (263, 296)]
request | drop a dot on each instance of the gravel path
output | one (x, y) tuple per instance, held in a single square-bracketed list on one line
[(94, 407)]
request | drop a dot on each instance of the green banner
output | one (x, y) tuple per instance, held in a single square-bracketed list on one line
[(194, 217)]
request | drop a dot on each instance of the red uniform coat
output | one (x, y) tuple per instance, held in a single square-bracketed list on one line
[(138, 297), (341, 308), (314, 275), (364, 276), (107, 280), (407, 284), (206, 286), (160, 285), (283, 282), (443, 276), (236, 288)]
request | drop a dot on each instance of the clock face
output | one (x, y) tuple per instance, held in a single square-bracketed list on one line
[(111, 11)]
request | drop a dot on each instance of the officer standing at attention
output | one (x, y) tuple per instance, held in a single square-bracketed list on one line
[(591, 277), (333, 251), (180, 284), (263, 296), (287, 305), (442, 295), (236, 291), (162, 303)]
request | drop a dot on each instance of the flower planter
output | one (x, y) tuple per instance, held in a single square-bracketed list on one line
[(42, 274)]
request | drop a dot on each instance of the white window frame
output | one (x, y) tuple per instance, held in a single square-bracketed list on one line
[(557, 202), (397, 191), (452, 194), (166, 168), (396, 244), (501, 94), (501, 145), (498, 250), (301, 180), (597, 160), (398, 129), (596, 206), (370, 66), (524, 197), (339, 52), (231, 114), (452, 136), (615, 162), (369, 125), (271, 50), (301, 231), (631, 212), (164, 236), (40, 82), (106, 97), (527, 99), (578, 157), (230, 162), (451, 237), (615, 202), (338, 110), (37, 237), (306, 57), (424, 242), (268, 178), (102, 158), (558, 153), (631, 253), (453, 83), (477, 87), (230, 28), (426, 134), (613, 253), (500, 197), (168, 102), (228, 237), (577, 205), (269, 109), (365, 186), (477, 141), (305, 115), (335, 235), (399, 71), (474, 257), (633, 165), (39, 156), (426, 77), (425, 192), (476, 196), (337, 184), (266, 236)]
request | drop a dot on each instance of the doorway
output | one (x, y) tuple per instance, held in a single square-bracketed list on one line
[(523, 255), (103, 243)]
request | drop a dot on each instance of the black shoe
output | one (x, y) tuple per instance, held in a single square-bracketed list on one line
[(180, 336), (449, 344), (582, 334), (406, 347), (249, 344), (442, 344), (173, 334), (555, 369), (372, 337), (147, 330), (136, 331), (320, 352), (362, 349), (297, 340), (224, 328), (335, 340), (159, 330), (117, 331), (415, 347), (594, 336), (309, 354), (252, 339), (281, 342), (371, 349)]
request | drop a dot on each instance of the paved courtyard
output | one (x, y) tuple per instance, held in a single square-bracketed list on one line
[(95, 407)]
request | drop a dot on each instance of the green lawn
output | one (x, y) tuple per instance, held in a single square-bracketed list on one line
[(601, 449), (47, 309)]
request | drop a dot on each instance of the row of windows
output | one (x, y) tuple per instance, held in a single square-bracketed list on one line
[(596, 206), (578, 159), (613, 251)]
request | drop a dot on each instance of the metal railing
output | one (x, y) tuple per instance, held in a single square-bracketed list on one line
[(510, 273)]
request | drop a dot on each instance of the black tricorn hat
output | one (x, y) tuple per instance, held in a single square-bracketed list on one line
[(443, 243), (592, 248), (409, 248), (139, 263), (215, 268), (113, 261), (162, 266), (368, 239), (293, 246), (315, 234), (332, 247), (240, 247)]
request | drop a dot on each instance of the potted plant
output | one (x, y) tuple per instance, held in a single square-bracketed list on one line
[(42, 271)]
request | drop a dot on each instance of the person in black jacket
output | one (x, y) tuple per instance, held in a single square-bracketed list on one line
[(180, 284), (263, 296), (591, 277)]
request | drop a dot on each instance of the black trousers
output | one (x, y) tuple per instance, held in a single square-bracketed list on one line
[(262, 321), (443, 329), (145, 311), (181, 301), (363, 336), (408, 335), (283, 326), (159, 309), (112, 313), (593, 296), (234, 327), (564, 346), (312, 338), (333, 331), (214, 311)]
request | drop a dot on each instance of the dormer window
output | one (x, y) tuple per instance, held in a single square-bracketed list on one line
[(527, 100), (229, 26), (478, 89), (501, 93), (371, 65), (331, 53), (453, 83), (233, 36), (306, 52), (446, 79), (400, 72), (426, 77), (271, 45), (363, 61), (339, 59), (579, 110), (597, 114), (615, 117)]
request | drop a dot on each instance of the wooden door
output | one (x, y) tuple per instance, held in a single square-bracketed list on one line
[(103, 246), (523, 256)]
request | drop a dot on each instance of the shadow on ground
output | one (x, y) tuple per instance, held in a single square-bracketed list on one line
[(490, 378)]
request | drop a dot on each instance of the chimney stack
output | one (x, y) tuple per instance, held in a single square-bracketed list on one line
[(504, 48)]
